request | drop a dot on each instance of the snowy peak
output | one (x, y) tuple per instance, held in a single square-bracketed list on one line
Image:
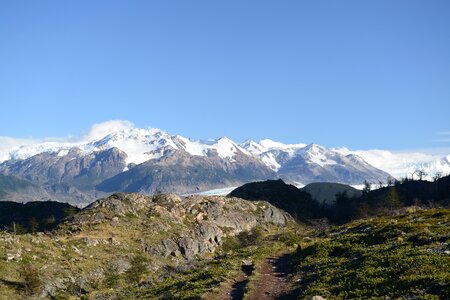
[(253, 147), (141, 145), (319, 155), (223, 147), (226, 148), (272, 145)]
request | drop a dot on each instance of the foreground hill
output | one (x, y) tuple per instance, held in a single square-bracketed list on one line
[(123, 240), (401, 257), (130, 246)]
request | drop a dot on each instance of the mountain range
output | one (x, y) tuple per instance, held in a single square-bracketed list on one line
[(116, 156)]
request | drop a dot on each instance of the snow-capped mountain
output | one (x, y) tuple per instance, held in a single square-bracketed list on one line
[(139, 145), (301, 163), (295, 162), (117, 156)]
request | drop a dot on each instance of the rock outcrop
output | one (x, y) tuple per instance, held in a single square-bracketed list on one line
[(200, 221)]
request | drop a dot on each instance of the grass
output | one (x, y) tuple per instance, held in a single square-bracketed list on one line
[(404, 256), (207, 277)]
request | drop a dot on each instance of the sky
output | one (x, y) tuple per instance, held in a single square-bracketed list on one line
[(360, 74)]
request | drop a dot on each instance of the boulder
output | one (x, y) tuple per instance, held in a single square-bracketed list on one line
[(274, 215)]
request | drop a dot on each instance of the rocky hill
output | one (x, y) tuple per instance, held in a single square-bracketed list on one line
[(130, 237)]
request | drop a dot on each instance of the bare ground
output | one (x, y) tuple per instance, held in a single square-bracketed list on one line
[(273, 279)]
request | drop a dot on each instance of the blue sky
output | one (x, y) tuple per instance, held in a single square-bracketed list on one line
[(361, 74)]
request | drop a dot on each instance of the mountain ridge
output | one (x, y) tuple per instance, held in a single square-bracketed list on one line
[(119, 157)]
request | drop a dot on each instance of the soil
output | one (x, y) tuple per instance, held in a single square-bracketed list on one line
[(274, 279)]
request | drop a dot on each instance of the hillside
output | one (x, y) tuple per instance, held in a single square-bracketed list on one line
[(33, 216), (284, 196), (401, 257), (124, 240), (131, 246), (11, 184), (325, 192)]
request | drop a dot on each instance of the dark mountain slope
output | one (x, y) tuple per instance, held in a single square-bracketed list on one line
[(297, 203), (325, 192), (36, 215)]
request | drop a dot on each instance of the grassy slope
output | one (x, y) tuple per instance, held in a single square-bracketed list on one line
[(207, 279), (64, 256), (402, 256)]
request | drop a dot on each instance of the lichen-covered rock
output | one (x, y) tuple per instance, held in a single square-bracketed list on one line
[(238, 221), (274, 215), (164, 248), (189, 247)]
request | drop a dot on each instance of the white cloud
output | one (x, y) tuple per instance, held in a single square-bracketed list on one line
[(8, 143), (444, 133), (403, 163), (100, 130), (444, 140), (20, 149)]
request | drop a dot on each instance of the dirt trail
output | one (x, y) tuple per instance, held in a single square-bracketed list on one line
[(274, 279), (237, 290)]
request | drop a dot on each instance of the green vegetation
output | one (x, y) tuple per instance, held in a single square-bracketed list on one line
[(205, 279), (30, 277), (33, 216), (130, 246), (402, 256)]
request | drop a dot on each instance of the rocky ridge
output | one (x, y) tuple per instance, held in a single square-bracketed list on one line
[(161, 231)]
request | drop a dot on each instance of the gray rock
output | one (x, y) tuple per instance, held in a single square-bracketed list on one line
[(274, 215), (189, 247), (238, 221), (51, 287), (165, 248)]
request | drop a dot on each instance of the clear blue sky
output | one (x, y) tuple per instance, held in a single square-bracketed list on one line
[(362, 74)]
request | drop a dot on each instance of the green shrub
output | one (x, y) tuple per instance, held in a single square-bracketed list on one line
[(30, 277)]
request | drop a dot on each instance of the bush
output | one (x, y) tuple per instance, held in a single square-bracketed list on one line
[(30, 277), (250, 238), (138, 267)]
